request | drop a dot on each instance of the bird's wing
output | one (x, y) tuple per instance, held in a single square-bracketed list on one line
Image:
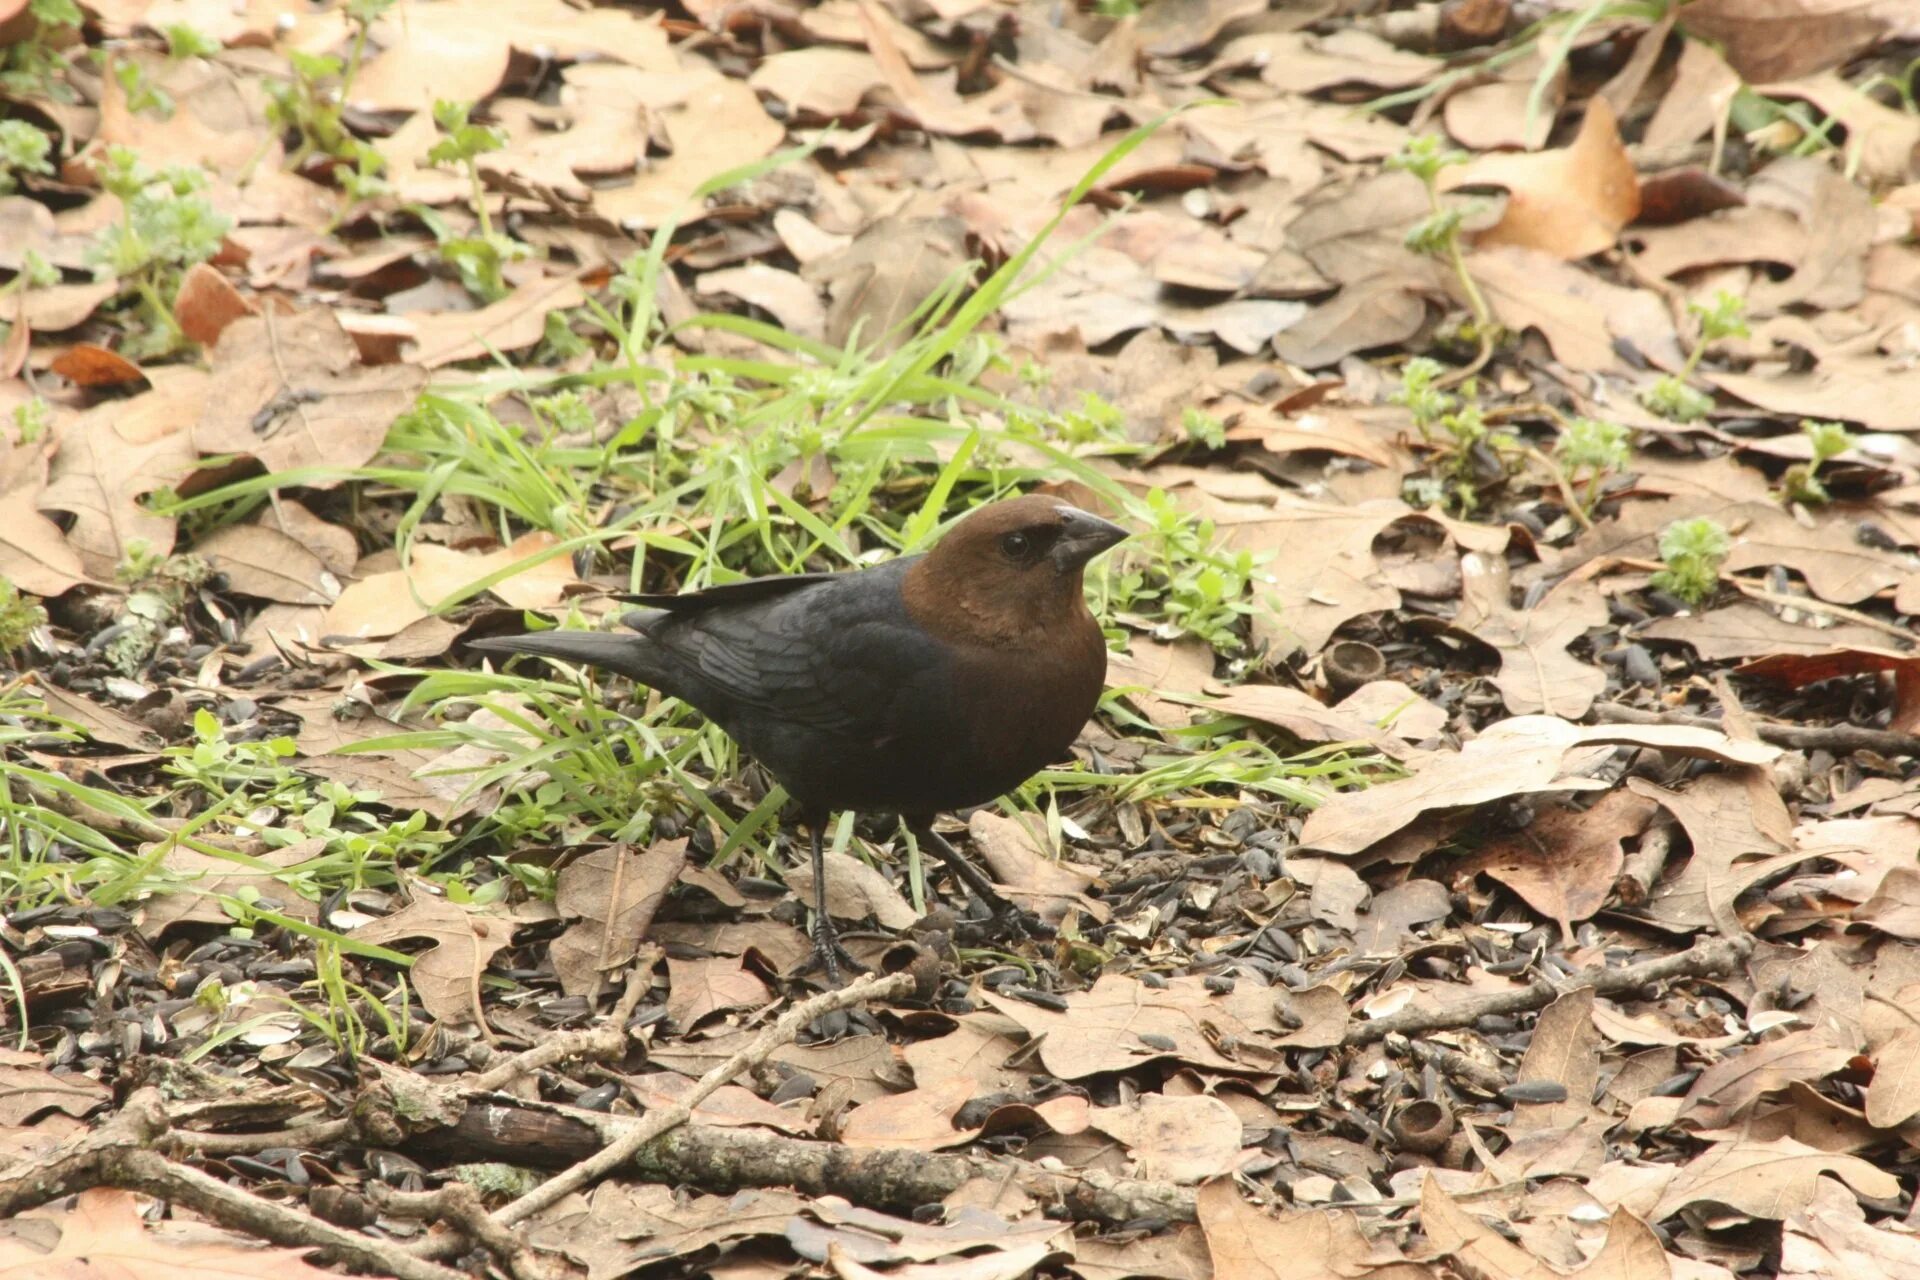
[(818, 659), (751, 589)]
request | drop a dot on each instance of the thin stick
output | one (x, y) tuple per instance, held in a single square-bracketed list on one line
[(1641, 869), (1720, 955), (764, 1046), (119, 1154), (1841, 739)]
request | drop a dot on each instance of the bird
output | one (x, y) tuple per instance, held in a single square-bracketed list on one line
[(924, 684)]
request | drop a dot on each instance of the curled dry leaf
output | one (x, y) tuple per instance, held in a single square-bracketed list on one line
[(1565, 862), (1047, 886), (855, 891), (447, 974), (1247, 1242), (28, 1090), (1771, 1179), (1569, 203), (920, 1120), (385, 603), (1537, 674), (1120, 1023)]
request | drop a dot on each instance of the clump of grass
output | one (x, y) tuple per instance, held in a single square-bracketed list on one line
[(1692, 552)]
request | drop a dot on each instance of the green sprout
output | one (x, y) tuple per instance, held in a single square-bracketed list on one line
[(1203, 429), (166, 227), (23, 149), (1801, 482), (1670, 396), (1591, 450), (1692, 551), (32, 67), (1420, 392), (187, 41), (1438, 234), (479, 259), (19, 616)]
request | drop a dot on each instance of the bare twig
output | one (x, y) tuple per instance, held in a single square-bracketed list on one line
[(1641, 869), (1721, 955), (768, 1042), (1841, 739), (456, 1206), (607, 1040), (120, 1154)]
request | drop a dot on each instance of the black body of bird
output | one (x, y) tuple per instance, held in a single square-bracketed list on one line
[(927, 683)]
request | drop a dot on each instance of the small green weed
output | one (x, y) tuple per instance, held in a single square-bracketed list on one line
[(1671, 396), (1801, 481), (166, 228), (1692, 551)]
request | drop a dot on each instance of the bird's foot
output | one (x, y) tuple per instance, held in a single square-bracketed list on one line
[(831, 959)]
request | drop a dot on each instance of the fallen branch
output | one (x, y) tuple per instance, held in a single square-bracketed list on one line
[(1841, 739), (656, 1123), (120, 1154), (607, 1040), (1703, 959), (723, 1160)]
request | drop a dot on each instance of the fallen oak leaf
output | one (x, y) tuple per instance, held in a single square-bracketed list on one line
[(1773, 1179), (447, 974), (1569, 203)]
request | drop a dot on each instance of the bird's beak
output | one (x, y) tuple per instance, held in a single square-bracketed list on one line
[(1084, 536)]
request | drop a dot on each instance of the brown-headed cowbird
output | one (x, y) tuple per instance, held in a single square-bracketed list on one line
[(927, 683)]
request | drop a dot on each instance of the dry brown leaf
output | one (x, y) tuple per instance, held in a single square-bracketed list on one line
[(218, 122), (103, 1235), (514, 323), (856, 890), (716, 123), (1632, 1251), (1744, 629), (1339, 582), (1002, 1264), (196, 882), (111, 457), (879, 280), (1895, 906), (1584, 318), (1772, 1179), (1151, 667), (1302, 715), (919, 1120), (701, 987), (1780, 39), (34, 554), (447, 974), (1741, 833), (1248, 1243), (1179, 1253), (1728, 1090), (293, 395), (790, 300), (28, 1090), (614, 892), (207, 303), (1565, 862), (1120, 1023), (386, 602), (1568, 203), (269, 565), (1537, 674), (978, 1048), (1565, 1049), (1519, 756), (1049, 887), (460, 49), (1180, 1140)]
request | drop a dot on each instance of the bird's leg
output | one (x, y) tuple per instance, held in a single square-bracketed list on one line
[(1006, 915), (828, 955)]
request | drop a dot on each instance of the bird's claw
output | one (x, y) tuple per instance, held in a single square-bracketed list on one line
[(831, 959)]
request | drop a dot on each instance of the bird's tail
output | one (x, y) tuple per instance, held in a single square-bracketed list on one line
[(632, 656)]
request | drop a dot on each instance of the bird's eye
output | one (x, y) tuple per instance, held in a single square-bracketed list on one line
[(1016, 545)]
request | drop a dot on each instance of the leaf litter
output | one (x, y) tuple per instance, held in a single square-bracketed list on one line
[(350, 382)]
